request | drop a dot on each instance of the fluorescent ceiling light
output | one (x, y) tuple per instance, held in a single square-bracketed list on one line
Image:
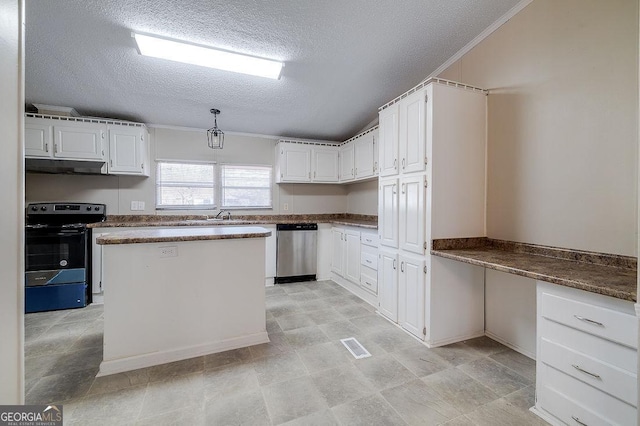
[(206, 57)]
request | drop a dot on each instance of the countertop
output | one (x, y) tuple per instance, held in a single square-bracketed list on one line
[(124, 221), (606, 274), (182, 234)]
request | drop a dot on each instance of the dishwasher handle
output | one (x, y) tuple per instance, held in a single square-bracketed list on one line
[(297, 227)]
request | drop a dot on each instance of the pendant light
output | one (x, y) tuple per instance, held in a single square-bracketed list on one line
[(215, 136)]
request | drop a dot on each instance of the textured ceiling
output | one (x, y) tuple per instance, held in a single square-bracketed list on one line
[(344, 58)]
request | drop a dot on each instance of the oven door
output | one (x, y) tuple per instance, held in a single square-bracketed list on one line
[(56, 260), (55, 254)]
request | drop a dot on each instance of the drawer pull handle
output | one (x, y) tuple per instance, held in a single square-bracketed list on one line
[(577, 367), (577, 420), (590, 321), (368, 261)]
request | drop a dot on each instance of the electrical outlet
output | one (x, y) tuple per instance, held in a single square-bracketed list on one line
[(169, 251), (137, 205), (285, 206)]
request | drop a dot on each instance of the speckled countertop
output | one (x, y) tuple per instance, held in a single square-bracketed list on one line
[(607, 274), (124, 221), (182, 234)]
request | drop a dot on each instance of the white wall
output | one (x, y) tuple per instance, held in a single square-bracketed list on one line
[(12, 193), (563, 124), (362, 198), (117, 192)]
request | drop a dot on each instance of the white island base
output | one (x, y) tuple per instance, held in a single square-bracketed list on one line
[(169, 301)]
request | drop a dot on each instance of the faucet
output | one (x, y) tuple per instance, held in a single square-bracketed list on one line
[(222, 211)]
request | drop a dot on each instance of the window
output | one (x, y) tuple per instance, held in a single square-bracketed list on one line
[(185, 186), (245, 186)]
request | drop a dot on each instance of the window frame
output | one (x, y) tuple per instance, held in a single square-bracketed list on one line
[(221, 186), (215, 186)]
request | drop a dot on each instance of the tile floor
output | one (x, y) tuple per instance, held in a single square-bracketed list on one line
[(304, 376)]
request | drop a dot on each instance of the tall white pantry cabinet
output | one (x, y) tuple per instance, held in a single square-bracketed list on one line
[(432, 186)]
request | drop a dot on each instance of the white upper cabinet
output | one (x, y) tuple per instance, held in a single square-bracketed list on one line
[(80, 141), (347, 164), (388, 212), (38, 138), (124, 146), (127, 150), (412, 214), (325, 164), (412, 132), (388, 135), (294, 162), (366, 156)]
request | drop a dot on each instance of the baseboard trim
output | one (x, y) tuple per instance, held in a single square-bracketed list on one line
[(544, 416), (456, 339), (510, 345), (355, 289), (120, 365)]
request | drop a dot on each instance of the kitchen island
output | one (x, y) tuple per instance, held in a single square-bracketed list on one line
[(174, 294)]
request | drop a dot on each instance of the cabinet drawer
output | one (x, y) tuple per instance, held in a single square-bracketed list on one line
[(567, 410), (370, 260), (617, 355), (611, 409), (369, 281), (603, 322), (369, 239), (600, 375)]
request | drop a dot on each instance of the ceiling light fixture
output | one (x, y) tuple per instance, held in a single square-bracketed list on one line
[(215, 136), (188, 53)]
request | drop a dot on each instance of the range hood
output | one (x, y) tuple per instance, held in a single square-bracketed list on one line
[(45, 165)]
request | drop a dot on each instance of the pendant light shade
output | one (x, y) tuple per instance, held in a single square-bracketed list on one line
[(215, 136)]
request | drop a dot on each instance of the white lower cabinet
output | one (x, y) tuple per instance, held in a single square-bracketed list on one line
[(354, 261), (337, 251), (352, 255), (411, 282), (270, 254), (586, 367), (388, 284)]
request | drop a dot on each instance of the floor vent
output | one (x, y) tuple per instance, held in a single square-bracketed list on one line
[(356, 349)]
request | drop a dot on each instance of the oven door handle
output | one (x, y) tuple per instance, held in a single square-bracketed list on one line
[(73, 226)]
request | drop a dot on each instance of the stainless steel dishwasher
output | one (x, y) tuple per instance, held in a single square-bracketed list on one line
[(296, 257)]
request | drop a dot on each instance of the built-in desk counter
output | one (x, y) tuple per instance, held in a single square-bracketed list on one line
[(609, 275)]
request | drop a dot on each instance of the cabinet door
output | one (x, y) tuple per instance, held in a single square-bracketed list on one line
[(412, 132), (411, 295), (388, 285), (125, 149), (271, 247), (37, 140), (325, 164), (144, 153), (412, 214), (337, 251), (347, 167), (295, 163), (364, 156), (352, 256), (388, 212), (388, 138), (83, 141)]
